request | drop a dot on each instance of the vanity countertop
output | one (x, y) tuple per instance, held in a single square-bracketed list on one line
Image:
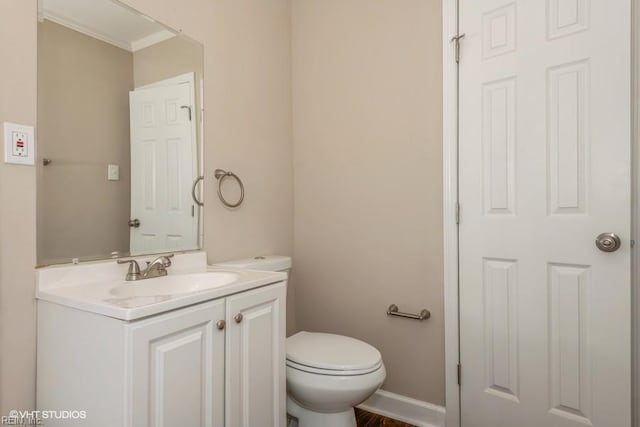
[(99, 287)]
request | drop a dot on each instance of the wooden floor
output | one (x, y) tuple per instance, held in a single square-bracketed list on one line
[(367, 419)]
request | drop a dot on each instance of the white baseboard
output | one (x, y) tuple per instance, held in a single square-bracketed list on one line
[(405, 409)]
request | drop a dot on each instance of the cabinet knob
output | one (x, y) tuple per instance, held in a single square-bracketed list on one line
[(221, 324), (238, 318)]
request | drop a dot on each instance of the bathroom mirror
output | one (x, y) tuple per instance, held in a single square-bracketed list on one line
[(119, 134)]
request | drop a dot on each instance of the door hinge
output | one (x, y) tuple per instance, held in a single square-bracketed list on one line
[(459, 374), (457, 40), (458, 213)]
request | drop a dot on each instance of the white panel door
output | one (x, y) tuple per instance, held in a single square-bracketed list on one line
[(176, 362), (256, 354), (163, 167), (544, 169)]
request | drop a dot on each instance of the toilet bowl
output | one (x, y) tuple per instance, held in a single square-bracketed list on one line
[(327, 375)]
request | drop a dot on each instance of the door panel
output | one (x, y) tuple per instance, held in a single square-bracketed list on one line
[(163, 167), (256, 382), (177, 366), (544, 168)]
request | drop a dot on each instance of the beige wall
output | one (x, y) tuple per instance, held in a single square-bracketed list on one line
[(247, 102), (247, 130), (366, 133), (166, 59), (17, 210), (83, 123), (368, 189)]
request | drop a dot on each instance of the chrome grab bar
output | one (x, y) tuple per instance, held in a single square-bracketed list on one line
[(393, 310)]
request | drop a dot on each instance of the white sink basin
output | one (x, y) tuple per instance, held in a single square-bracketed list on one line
[(99, 287), (174, 284)]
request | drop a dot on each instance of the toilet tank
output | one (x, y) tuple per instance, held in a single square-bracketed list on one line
[(264, 263)]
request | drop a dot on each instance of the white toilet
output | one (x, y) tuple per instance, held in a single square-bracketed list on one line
[(327, 374)]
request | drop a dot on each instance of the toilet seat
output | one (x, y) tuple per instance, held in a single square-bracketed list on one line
[(330, 354), (332, 372)]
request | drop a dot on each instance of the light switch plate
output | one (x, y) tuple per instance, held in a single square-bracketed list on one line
[(113, 172), (19, 144)]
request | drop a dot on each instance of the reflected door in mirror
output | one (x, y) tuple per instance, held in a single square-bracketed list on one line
[(163, 147)]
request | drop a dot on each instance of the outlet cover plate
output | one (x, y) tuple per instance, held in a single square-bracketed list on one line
[(19, 144)]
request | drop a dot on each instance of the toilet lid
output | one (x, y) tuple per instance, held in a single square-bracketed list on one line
[(331, 352)]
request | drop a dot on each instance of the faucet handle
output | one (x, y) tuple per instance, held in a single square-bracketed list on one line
[(134, 269), (166, 261)]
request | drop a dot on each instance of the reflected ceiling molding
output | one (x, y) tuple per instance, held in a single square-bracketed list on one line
[(151, 39), (107, 21), (85, 30)]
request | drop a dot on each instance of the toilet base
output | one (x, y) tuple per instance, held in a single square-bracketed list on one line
[(307, 418)]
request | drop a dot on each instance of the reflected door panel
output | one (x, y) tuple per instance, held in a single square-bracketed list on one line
[(162, 169)]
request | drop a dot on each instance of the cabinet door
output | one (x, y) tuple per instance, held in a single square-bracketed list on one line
[(176, 364), (256, 382)]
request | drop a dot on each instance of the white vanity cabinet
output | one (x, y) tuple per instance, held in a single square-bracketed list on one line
[(256, 349), (213, 364), (176, 366)]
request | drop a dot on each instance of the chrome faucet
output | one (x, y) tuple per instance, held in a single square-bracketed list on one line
[(156, 268)]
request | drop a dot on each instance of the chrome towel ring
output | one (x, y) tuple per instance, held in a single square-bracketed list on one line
[(220, 175), (194, 196)]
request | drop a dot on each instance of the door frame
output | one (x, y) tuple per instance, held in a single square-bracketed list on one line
[(450, 201), (450, 211), (635, 209)]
